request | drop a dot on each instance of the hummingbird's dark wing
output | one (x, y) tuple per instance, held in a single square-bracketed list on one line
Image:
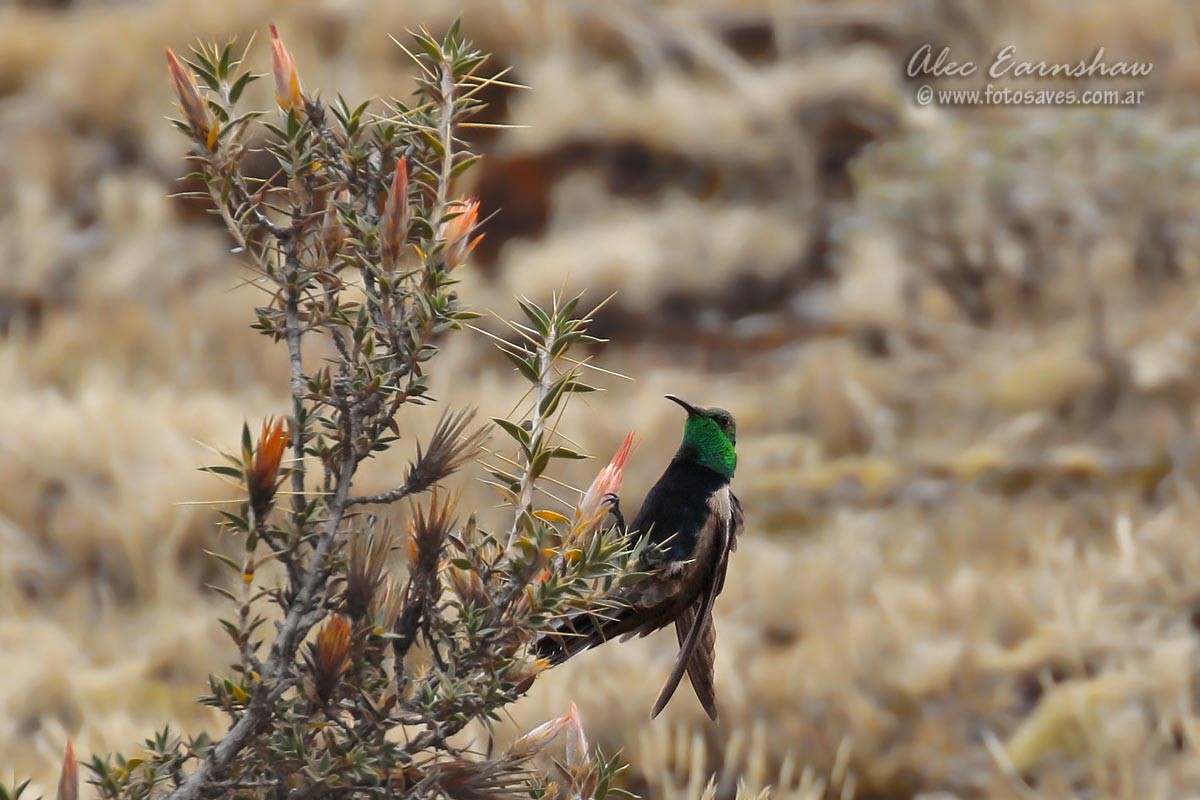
[(700, 666), (694, 624)]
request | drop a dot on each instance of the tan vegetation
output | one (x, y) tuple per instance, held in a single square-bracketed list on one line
[(961, 348)]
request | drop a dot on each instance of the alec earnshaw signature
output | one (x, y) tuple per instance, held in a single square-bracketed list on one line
[(925, 63)]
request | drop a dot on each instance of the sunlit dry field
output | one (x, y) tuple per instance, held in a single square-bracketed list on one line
[(962, 347)]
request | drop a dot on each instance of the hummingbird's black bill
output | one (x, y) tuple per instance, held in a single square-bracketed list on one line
[(688, 407)]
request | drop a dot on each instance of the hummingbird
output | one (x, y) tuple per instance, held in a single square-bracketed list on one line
[(689, 522)]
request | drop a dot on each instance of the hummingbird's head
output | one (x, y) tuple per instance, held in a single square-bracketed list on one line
[(709, 438)]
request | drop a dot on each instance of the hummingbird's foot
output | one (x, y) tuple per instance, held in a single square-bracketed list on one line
[(614, 508)]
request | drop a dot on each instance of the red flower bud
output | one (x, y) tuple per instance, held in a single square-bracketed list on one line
[(190, 102), (68, 781), (395, 215)]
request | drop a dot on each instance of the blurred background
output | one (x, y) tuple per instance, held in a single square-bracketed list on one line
[(961, 345)]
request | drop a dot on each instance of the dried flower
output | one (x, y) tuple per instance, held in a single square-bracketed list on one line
[(287, 80), (462, 780), (395, 215), (262, 475), (68, 781), (450, 446), (536, 740), (427, 533), (386, 608), (523, 673), (468, 586), (458, 233), (190, 102), (476, 780), (366, 561), (332, 650), (593, 507), (333, 233)]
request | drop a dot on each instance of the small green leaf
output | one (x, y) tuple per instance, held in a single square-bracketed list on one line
[(539, 318), (226, 560), (514, 430), (550, 402), (430, 47), (539, 463), (566, 452), (523, 364), (239, 86), (231, 472), (464, 165)]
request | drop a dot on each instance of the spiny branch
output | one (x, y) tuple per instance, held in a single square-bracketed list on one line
[(450, 447)]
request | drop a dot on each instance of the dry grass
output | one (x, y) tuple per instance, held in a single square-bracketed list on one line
[(970, 565)]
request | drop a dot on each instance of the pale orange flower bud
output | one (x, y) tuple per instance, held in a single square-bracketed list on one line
[(458, 233), (287, 80), (395, 215), (577, 743), (537, 739), (592, 508), (190, 102)]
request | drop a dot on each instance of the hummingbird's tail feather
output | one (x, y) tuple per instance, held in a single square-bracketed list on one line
[(700, 617), (700, 665)]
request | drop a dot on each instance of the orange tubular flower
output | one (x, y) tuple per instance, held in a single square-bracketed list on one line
[(333, 648), (190, 101), (287, 80), (592, 508), (458, 232), (395, 215), (262, 474)]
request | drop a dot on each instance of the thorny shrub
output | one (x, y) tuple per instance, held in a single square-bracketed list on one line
[(356, 682)]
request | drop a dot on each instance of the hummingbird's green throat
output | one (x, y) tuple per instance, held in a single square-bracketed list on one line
[(709, 436)]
